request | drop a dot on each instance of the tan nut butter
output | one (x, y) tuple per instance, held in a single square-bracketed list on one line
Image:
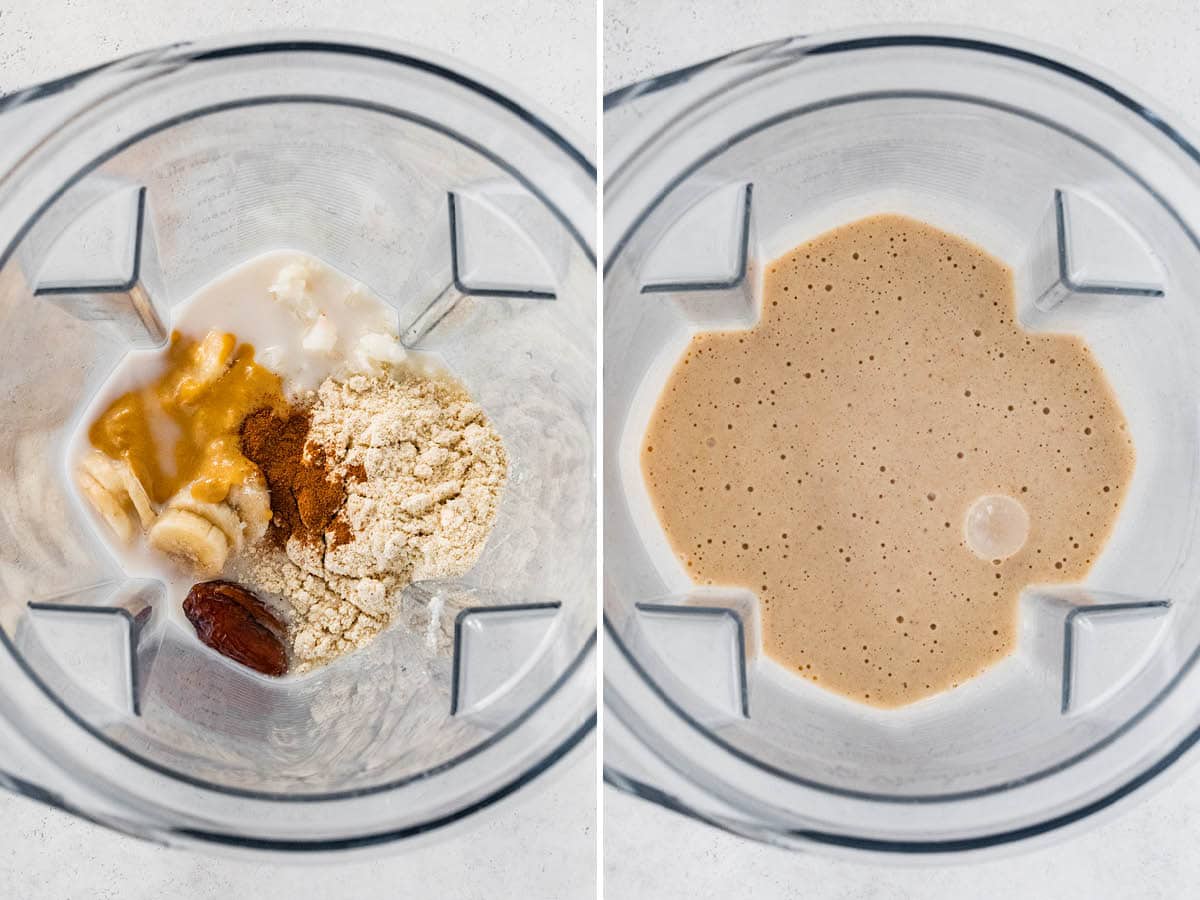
[(183, 428)]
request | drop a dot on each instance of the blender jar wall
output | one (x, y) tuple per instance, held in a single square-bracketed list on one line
[(975, 138), (358, 155)]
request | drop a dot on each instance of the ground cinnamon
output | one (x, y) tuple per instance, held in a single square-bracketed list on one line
[(305, 495)]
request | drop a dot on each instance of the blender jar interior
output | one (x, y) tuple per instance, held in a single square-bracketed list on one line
[(1074, 187), (472, 218)]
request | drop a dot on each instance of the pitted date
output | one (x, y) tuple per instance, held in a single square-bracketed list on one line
[(236, 624)]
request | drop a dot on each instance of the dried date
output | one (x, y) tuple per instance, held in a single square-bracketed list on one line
[(236, 624)]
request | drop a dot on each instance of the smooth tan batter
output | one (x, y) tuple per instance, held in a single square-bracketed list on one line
[(827, 457)]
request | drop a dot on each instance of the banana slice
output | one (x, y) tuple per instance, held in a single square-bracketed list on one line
[(252, 501), (107, 505), (116, 476), (191, 538), (211, 359), (219, 514), (105, 470), (138, 496)]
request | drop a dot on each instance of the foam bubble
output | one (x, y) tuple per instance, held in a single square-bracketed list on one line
[(996, 526)]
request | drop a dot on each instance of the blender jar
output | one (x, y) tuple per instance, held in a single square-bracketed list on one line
[(126, 188), (1094, 201)]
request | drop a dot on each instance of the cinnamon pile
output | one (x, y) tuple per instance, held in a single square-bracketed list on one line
[(306, 495)]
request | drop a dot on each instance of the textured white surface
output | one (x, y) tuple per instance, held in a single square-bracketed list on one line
[(541, 846), (1147, 851), (1151, 43), (543, 48)]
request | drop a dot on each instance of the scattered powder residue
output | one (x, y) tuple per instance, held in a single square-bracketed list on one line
[(433, 627), (422, 470)]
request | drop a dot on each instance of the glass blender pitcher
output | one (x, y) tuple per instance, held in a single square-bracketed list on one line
[(1094, 200), (127, 187)]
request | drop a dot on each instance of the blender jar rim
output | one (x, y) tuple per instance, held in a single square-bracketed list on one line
[(729, 72), (171, 59), (347, 43)]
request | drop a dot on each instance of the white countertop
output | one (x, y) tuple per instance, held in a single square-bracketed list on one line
[(546, 47), (1147, 850)]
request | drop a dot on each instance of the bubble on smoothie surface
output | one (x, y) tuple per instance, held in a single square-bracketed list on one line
[(826, 459), (996, 526)]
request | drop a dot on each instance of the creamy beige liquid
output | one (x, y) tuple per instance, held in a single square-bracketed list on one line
[(827, 459)]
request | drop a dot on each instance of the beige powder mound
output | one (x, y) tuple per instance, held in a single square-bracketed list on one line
[(434, 470)]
